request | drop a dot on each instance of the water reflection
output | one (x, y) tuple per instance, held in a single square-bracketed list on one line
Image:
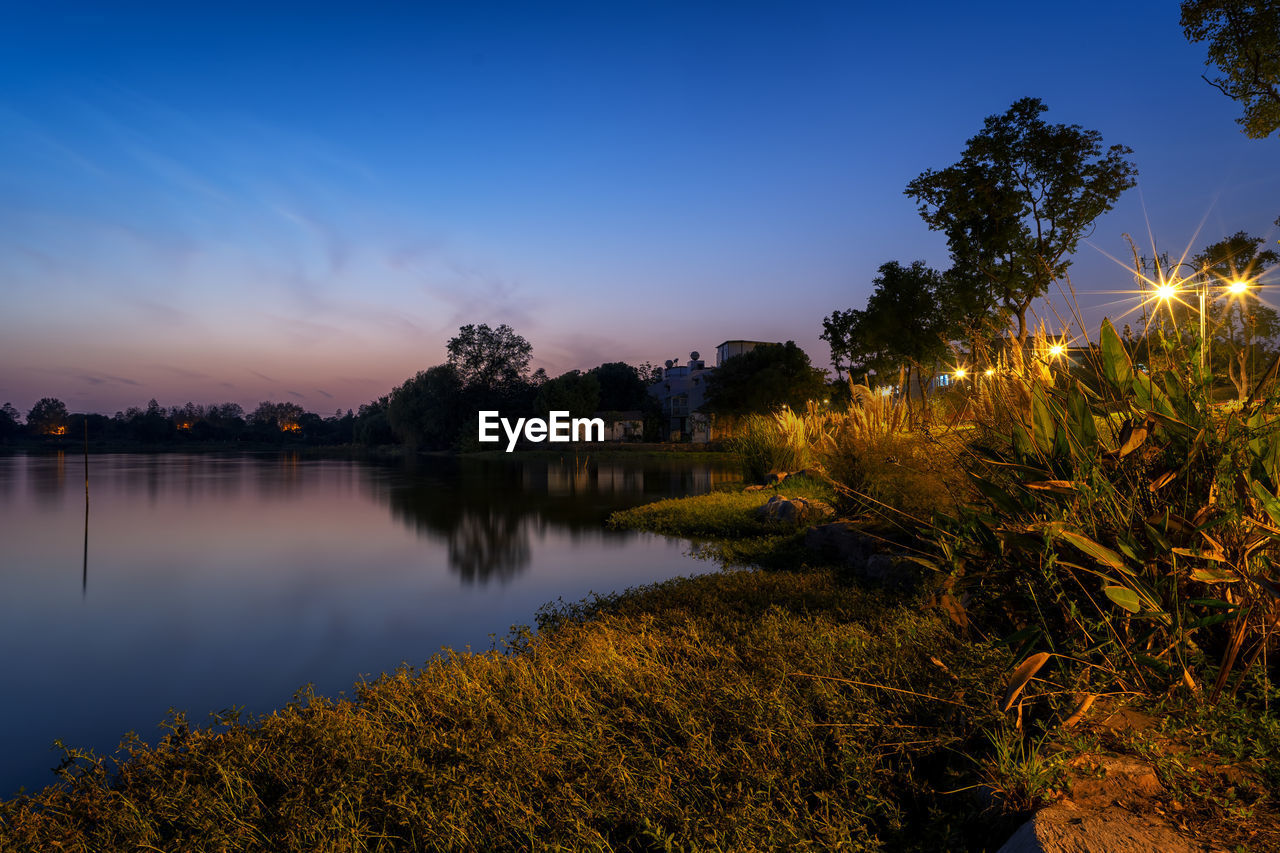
[(48, 482), (486, 511), (236, 578), (489, 545)]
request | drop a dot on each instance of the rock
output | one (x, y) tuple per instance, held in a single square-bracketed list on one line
[(844, 542), (841, 541), (1112, 810), (879, 567), (755, 488), (1065, 828), (783, 510), (1104, 780)]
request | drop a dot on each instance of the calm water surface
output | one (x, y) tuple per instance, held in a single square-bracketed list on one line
[(216, 580)]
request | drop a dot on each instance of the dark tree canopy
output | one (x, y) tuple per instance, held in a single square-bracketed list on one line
[(763, 379), (426, 411), (490, 358), (47, 416), (622, 387), (573, 392), (904, 322), (1015, 205), (9, 421), (1244, 44), (281, 416)]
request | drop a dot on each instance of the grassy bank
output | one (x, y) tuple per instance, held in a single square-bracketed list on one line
[(730, 711), (1211, 766)]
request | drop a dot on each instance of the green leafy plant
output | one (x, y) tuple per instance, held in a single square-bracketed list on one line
[(1128, 524)]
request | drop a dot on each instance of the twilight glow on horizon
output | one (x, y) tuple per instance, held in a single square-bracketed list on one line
[(304, 202)]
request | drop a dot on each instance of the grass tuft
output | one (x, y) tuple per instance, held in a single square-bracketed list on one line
[(737, 710)]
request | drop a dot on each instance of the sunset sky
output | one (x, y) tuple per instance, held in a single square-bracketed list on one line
[(255, 201)]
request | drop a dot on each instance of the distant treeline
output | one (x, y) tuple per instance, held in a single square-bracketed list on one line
[(434, 410), (487, 370), (49, 423)]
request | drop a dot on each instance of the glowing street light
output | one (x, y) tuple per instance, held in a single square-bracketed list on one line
[(1057, 350), (961, 373)]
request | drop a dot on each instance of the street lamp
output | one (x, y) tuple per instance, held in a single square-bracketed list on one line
[(1236, 288)]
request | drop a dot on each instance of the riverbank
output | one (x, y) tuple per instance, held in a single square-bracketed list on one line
[(1170, 763), (721, 711), (735, 710)]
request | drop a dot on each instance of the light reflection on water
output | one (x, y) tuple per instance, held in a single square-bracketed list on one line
[(219, 580)]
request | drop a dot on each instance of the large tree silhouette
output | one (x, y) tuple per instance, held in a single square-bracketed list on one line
[(1018, 201)]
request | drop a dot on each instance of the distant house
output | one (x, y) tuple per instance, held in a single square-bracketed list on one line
[(622, 426), (729, 349), (681, 390)]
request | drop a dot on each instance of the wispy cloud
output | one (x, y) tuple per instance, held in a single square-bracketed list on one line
[(180, 371), (95, 378)]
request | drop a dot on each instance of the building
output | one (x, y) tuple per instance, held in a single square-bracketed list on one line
[(729, 349), (622, 426), (681, 389)]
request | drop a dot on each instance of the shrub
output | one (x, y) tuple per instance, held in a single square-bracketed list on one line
[(895, 475), (780, 441), (882, 466), (1128, 523)]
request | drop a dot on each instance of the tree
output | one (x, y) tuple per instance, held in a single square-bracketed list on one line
[(225, 413), (1018, 201), (372, 426), (47, 417), (903, 321), (764, 378), (280, 416), (971, 309), (490, 358), (622, 387), (573, 392), (150, 425), (427, 411), (1244, 43), (904, 324), (1241, 324), (9, 423)]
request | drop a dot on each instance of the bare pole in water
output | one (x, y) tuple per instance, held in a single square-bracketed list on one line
[(84, 566)]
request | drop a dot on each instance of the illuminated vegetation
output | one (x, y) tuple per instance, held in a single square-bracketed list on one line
[(736, 710)]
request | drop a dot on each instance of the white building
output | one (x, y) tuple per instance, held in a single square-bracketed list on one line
[(682, 390)]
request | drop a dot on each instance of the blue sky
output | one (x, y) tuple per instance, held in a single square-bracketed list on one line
[(303, 202)]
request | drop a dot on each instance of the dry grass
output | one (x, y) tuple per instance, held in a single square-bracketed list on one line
[(677, 718)]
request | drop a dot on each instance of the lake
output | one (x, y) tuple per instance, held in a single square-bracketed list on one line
[(205, 581)]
